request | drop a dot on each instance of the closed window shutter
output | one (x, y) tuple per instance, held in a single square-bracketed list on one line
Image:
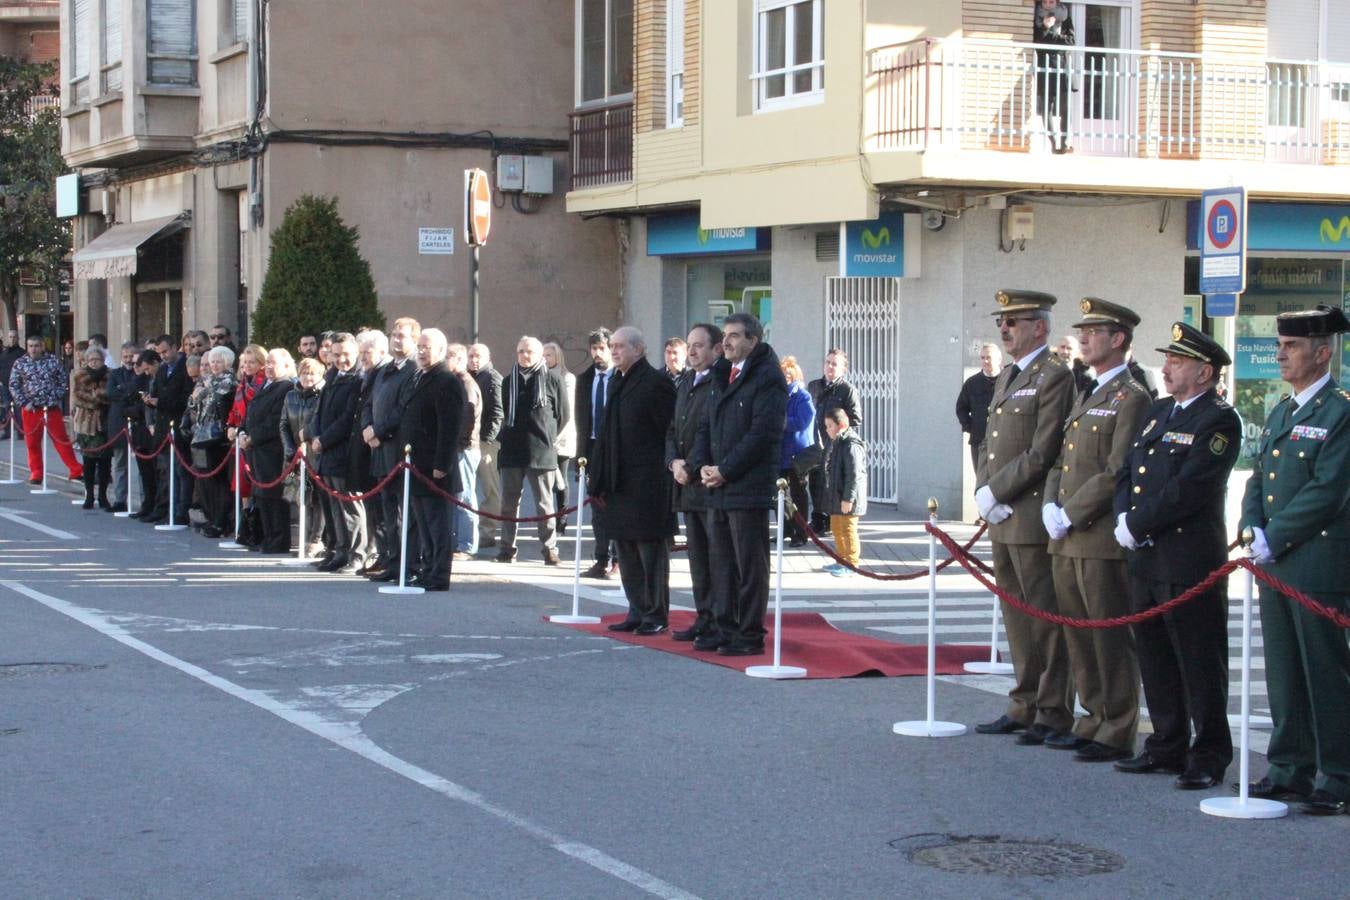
[(112, 32), (1291, 30), (172, 38), (1338, 40), (79, 38), (241, 20)]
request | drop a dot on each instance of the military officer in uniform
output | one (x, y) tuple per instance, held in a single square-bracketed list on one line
[(1169, 509), (1088, 564), (1026, 429), (1298, 505)]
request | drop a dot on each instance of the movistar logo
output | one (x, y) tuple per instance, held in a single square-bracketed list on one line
[(881, 239), (720, 234), (1335, 233), (702, 236)]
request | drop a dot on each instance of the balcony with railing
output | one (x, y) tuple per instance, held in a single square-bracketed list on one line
[(39, 102), (602, 145), (1013, 98)]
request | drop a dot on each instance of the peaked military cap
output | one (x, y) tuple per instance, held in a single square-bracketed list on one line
[(1101, 312), (1013, 301), (1188, 341), (1323, 320)]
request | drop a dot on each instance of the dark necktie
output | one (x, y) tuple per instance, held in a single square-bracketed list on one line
[(1013, 371), (1176, 408), (601, 397), (1089, 389)]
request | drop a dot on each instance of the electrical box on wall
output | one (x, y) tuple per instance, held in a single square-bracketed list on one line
[(538, 175), (1018, 223), (510, 172)]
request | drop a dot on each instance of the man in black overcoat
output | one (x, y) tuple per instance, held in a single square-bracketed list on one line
[(431, 426), (592, 396), (262, 424), (329, 434), (628, 474), (168, 397), (380, 424), (737, 457)]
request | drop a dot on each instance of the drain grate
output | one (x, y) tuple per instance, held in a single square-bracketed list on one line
[(1013, 857), (34, 669)]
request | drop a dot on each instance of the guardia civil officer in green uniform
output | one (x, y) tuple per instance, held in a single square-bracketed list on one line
[(1088, 564), (1298, 505), (1170, 514), (1026, 429)]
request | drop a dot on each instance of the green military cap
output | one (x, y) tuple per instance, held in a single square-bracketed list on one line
[(1101, 312), (1319, 322), (1012, 301), (1188, 341)]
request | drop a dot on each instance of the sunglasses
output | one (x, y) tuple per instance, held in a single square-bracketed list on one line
[(1010, 321)]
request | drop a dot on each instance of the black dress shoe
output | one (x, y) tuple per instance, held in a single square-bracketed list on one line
[(626, 625), (1324, 803), (692, 633), (1001, 725), (597, 570), (437, 587), (385, 576), (646, 629), (1065, 740), (156, 520), (737, 649), (1146, 762), (1269, 790), (1097, 752), (334, 564), (1196, 780), (709, 642), (1035, 735)]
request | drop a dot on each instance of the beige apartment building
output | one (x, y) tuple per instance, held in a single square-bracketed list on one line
[(867, 174), (196, 123)]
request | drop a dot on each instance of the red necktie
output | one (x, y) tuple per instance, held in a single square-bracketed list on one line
[(734, 373)]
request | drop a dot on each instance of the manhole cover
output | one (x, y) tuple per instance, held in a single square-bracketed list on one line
[(997, 855), (33, 669)]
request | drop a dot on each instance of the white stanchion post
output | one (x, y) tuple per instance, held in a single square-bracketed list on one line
[(173, 466), (576, 618), (238, 478), (778, 670), (1244, 806), (993, 667), (75, 449), (300, 558), (930, 727), (131, 458), (13, 427), (403, 587), (44, 489)]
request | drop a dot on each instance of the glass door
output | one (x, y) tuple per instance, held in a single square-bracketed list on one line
[(1105, 79)]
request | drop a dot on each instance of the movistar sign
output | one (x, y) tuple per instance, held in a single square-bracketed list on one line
[(876, 247), (680, 234)]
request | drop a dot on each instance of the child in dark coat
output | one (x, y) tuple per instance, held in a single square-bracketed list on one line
[(845, 488)]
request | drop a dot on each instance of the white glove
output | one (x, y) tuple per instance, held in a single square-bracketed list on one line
[(1050, 515), (1259, 551), (1123, 536), (985, 500), (999, 513)]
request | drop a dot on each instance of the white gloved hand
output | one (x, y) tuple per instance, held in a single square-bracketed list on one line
[(999, 513), (1123, 536), (1259, 551), (985, 500), (1050, 514)]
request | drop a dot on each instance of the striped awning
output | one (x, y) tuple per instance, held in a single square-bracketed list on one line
[(113, 253)]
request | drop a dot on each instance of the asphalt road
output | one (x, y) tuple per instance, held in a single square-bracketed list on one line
[(179, 720)]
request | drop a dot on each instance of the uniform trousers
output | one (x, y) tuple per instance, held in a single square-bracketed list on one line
[(1042, 692), (437, 539), (1102, 660), (1308, 677), (696, 549), (644, 569), (490, 483), (1183, 660), (513, 480), (50, 418), (738, 553)]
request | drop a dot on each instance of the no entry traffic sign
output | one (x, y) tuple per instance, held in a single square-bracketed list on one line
[(1223, 245)]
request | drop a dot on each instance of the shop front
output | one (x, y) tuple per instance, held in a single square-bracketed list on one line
[(721, 270)]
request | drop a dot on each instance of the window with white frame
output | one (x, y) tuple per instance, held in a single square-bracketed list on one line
[(674, 63), (111, 44), (789, 52), (604, 50), (171, 41), (80, 23), (239, 19)]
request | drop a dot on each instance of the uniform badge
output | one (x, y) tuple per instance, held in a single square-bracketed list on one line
[(1149, 426), (1177, 332), (1218, 444)]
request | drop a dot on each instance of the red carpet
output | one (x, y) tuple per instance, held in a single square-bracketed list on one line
[(814, 644)]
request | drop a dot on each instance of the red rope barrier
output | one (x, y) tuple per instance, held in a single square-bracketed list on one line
[(354, 498), (1336, 616), (156, 452), (881, 576), (287, 470), (199, 475), (437, 489), (99, 449)]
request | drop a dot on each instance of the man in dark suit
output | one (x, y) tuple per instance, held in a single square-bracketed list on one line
[(329, 435), (121, 405), (689, 496), (1026, 430), (380, 423), (972, 404), (431, 426), (1169, 509), (1298, 504), (168, 397), (832, 391), (594, 386), (491, 416), (628, 474), (736, 454)]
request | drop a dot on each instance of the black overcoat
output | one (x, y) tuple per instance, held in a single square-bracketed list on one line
[(431, 425), (628, 469), (262, 423)]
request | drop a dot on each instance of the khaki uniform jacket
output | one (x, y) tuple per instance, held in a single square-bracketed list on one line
[(1025, 432), (1097, 439)]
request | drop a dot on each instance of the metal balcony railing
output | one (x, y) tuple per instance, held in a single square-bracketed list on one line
[(38, 102), (602, 145), (1001, 95)]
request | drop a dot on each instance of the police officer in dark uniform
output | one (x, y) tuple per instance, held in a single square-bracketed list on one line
[(1298, 504), (1169, 509)]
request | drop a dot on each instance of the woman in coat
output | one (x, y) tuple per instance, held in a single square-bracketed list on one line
[(252, 360), (210, 407), (262, 446), (295, 418), (798, 434), (90, 394), (566, 444)]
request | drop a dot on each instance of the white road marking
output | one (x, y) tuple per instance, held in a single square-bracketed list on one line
[(349, 737), (18, 518)]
